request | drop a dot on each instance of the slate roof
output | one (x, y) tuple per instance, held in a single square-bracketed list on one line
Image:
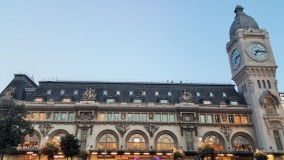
[(27, 90)]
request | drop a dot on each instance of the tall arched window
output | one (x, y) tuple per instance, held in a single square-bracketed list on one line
[(240, 143), (165, 142), (258, 83), (215, 142), (269, 105), (108, 142), (263, 83), (136, 142)]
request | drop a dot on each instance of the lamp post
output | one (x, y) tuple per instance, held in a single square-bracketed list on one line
[(106, 144)]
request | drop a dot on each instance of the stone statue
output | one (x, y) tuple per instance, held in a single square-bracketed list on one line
[(89, 95), (185, 97)]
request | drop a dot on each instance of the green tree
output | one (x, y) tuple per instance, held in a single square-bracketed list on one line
[(260, 155), (83, 155), (70, 145), (13, 125), (178, 155), (206, 150), (50, 150)]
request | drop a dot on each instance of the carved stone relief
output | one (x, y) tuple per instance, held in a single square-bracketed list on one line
[(122, 128), (89, 95), (9, 92), (188, 117), (151, 128), (185, 97), (86, 116), (44, 128), (84, 126)]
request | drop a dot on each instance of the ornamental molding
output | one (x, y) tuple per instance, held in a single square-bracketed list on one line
[(226, 131), (44, 128), (122, 128), (89, 95), (151, 128), (84, 126)]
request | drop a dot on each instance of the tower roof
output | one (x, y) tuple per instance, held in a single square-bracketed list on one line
[(242, 21)]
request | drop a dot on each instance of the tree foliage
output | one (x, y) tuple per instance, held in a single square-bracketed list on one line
[(206, 150), (178, 155), (13, 124), (83, 155), (70, 145), (260, 155), (50, 150)]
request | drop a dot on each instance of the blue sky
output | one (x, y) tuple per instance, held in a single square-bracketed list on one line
[(128, 40)]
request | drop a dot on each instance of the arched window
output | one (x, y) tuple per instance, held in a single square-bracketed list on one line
[(165, 142), (56, 139), (108, 142), (136, 142), (240, 143), (268, 83), (269, 105), (214, 142)]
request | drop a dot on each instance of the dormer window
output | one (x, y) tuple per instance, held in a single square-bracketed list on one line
[(62, 92), (137, 100), (66, 100), (143, 93), (224, 94), (169, 93), (38, 99), (105, 92), (198, 94), (130, 93), (233, 102), (211, 94), (118, 93), (110, 100), (156, 93), (164, 101), (75, 93), (206, 102), (48, 92)]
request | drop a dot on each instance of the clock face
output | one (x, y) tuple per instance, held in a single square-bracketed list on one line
[(236, 59), (257, 52)]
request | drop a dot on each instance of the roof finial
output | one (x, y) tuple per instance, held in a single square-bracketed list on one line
[(239, 9)]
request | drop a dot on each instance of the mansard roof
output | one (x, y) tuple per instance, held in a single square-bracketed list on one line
[(148, 92)]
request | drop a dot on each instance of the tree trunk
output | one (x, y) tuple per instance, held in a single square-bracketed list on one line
[(2, 156)]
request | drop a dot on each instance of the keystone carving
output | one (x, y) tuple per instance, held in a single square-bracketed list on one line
[(44, 128), (122, 128), (151, 128), (226, 131)]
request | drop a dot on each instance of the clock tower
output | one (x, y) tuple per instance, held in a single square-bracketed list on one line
[(253, 69)]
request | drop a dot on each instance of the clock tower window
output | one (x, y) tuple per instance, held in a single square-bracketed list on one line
[(258, 83), (264, 84), (268, 83)]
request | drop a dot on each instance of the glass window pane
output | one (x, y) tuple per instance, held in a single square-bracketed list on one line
[(116, 116), (70, 116), (244, 119), (136, 117), (42, 116), (157, 117), (209, 118), (237, 119), (109, 116), (55, 116), (217, 118), (171, 118), (143, 117), (202, 118), (164, 117), (63, 116), (130, 117), (102, 117)]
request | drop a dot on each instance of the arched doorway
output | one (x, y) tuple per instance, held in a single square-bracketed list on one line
[(215, 140)]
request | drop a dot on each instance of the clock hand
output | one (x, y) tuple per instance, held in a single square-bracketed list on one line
[(236, 58)]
